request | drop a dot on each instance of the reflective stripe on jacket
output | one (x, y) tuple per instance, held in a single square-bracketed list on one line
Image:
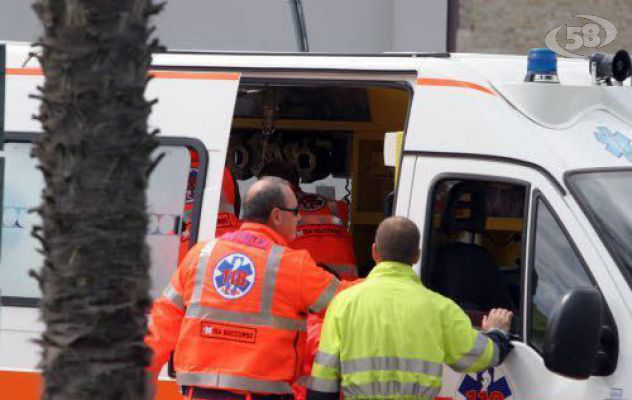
[(235, 312), (322, 231), (389, 336)]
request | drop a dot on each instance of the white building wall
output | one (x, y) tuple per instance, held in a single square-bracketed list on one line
[(348, 26)]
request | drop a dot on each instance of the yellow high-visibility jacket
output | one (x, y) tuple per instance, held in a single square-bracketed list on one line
[(389, 337)]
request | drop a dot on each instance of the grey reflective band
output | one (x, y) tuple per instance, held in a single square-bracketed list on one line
[(480, 344), (269, 281), (391, 364), (323, 385), (225, 381), (260, 319), (200, 273), (391, 388), (496, 356), (174, 297), (302, 380), (325, 297), (327, 360)]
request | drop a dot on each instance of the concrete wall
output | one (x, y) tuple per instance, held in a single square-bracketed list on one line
[(513, 26), (264, 25), (350, 26), (18, 21)]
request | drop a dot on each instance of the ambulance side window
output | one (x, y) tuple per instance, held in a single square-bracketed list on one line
[(22, 190), (556, 269), (170, 208), (475, 245), (166, 197)]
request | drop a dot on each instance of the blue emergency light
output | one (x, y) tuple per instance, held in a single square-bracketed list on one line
[(542, 66)]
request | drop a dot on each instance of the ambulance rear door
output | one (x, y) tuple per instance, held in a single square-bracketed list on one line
[(196, 102), (193, 113)]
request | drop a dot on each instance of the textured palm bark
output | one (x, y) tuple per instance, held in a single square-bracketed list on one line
[(95, 156)]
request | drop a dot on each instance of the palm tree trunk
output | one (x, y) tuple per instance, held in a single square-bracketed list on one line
[(95, 155)]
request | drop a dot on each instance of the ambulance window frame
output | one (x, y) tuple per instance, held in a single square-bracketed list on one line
[(368, 83), (188, 142), (499, 159), (537, 195), (297, 70), (434, 183), (587, 213)]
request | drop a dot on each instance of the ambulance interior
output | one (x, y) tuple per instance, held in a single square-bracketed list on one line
[(332, 134)]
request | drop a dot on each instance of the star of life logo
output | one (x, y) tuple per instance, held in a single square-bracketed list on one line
[(234, 276), (616, 142), (490, 384)]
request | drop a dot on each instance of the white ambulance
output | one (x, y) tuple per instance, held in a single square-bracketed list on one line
[(522, 190)]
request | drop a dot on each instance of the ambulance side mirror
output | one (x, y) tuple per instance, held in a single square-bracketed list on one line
[(572, 337)]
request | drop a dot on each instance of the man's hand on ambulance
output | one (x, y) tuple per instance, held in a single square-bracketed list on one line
[(498, 318)]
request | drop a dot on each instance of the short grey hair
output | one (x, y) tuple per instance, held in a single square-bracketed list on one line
[(259, 205), (397, 239)]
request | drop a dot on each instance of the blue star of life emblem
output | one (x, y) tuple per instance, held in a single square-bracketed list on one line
[(234, 276), (616, 142), (485, 386)]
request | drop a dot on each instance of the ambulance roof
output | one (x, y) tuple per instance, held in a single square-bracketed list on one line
[(484, 108), (464, 103)]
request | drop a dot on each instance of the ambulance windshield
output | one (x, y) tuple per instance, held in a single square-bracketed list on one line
[(607, 198)]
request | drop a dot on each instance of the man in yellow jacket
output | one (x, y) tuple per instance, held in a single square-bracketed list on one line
[(389, 336)]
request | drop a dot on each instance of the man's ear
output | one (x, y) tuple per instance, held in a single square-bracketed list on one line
[(417, 256), (376, 256), (275, 217)]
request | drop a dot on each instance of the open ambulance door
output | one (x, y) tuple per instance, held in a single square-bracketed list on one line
[(193, 113), (198, 106)]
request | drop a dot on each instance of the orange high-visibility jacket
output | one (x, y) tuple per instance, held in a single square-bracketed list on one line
[(314, 327), (227, 220), (235, 312), (322, 231)]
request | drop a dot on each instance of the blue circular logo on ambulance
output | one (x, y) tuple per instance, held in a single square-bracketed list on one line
[(234, 276)]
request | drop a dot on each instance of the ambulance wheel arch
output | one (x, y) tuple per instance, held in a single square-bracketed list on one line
[(524, 370)]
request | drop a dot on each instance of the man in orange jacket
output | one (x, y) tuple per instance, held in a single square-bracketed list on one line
[(235, 309), (322, 230)]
